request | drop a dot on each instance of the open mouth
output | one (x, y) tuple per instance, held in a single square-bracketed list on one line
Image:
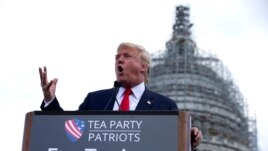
[(120, 69)]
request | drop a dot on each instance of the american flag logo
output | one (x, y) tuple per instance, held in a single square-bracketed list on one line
[(74, 129)]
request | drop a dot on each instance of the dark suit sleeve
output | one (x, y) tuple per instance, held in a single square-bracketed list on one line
[(99, 100), (163, 102), (85, 104), (167, 104), (173, 106), (53, 106)]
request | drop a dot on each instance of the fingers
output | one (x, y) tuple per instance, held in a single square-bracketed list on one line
[(49, 88), (40, 73), (52, 82), (43, 76), (197, 134), (194, 131), (55, 80), (46, 87), (198, 139)]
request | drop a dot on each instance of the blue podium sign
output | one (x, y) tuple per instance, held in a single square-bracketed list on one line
[(102, 131)]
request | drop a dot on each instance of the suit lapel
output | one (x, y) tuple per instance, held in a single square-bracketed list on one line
[(112, 101), (146, 101)]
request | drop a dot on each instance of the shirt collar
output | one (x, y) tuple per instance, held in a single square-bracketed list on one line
[(136, 90)]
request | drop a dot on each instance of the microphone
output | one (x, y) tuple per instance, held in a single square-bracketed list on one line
[(117, 85)]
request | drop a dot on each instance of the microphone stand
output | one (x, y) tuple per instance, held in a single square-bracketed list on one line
[(116, 89)]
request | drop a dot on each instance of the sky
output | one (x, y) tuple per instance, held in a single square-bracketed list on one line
[(77, 41)]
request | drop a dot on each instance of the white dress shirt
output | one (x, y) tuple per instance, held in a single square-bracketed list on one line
[(134, 98)]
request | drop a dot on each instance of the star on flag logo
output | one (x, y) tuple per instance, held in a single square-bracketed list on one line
[(74, 129)]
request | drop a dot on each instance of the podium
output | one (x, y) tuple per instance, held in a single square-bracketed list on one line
[(107, 131)]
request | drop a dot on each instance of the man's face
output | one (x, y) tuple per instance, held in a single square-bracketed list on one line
[(128, 67)]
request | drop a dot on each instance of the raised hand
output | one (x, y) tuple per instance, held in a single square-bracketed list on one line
[(49, 88)]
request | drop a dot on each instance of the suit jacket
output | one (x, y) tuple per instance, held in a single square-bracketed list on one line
[(105, 99)]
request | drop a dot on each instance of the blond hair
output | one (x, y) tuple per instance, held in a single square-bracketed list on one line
[(144, 56)]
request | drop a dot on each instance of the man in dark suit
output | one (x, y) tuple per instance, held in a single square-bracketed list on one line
[(132, 66), (101, 100)]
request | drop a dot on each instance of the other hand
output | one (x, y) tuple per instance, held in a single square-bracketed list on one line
[(196, 136)]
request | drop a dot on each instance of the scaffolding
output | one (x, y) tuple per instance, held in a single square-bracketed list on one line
[(200, 83)]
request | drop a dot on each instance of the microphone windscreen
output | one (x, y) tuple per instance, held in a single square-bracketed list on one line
[(117, 84)]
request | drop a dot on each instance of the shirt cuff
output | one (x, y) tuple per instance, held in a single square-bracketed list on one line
[(48, 102)]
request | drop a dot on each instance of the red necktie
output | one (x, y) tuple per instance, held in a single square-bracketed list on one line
[(125, 102)]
